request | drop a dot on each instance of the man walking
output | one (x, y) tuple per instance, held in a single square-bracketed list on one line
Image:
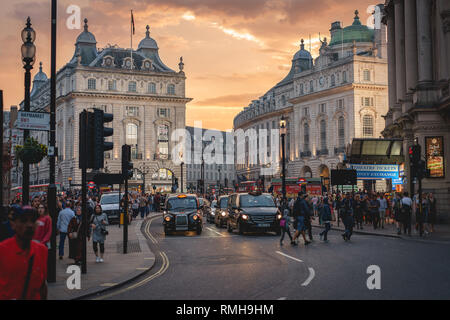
[(325, 216), (406, 212), (347, 217), (300, 211), (64, 218), (382, 209)]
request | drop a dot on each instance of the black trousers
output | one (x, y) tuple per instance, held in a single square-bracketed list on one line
[(102, 247), (407, 223), (308, 227)]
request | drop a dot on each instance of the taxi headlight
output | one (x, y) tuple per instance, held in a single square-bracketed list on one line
[(195, 217), (245, 217), (279, 216), (167, 218), (224, 213)]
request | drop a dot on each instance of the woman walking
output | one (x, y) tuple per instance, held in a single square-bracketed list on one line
[(75, 237), (43, 231), (98, 222), (358, 206), (284, 224)]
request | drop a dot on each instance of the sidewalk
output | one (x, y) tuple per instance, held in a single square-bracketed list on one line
[(441, 231), (117, 269)]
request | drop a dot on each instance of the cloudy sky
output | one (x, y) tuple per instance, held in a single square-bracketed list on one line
[(233, 50)]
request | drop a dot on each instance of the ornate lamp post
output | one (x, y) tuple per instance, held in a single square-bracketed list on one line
[(283, 156), (182, 163), (28, 51)]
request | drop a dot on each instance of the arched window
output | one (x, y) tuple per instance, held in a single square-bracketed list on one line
[(283, 100), (151, 87), (301, 88), (171, 89), (344, 76), (163, 141), (367, 126), (311, 86), (333, 80), (306, 136), (366, 74), (323, 134), (132, 86), (92, 83), (341, 132)]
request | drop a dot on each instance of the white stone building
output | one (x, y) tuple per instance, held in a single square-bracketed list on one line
[(327, 102), (146, 97)]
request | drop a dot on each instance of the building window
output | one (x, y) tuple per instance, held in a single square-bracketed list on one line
[(92, 84), (366, 101), (323, 107), (163, 141), (301, 89), (333, 80), (368, 126), (366, 75), (132, 86), (311, 86), (344, 76), (323, 134), (283, 100), (163, 112), (151, 87), (112, 85), (306, 136), (171, 89), (132, 111), (132, 132), (341, 131), (306, 111), (340, 104)]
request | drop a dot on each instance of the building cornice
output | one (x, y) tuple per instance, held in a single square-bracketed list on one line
[(135, 72), (336, 90), (265, 116), (120, 96)]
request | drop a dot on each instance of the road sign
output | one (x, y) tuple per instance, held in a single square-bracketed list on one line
[(39, 121)]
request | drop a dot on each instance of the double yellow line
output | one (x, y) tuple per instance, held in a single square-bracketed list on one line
[(164, 267)]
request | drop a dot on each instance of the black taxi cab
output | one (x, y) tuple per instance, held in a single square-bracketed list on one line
[(253, 211), (182, 212)]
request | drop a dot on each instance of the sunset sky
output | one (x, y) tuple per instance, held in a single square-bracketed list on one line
[(233, 50)]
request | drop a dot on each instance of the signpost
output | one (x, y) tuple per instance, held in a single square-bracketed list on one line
[(39, 121)]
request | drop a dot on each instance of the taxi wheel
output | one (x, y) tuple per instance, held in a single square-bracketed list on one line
[(199, 230), (278, 231), (240, 228), (166, 231)]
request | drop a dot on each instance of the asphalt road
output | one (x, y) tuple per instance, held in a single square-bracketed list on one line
[(223, 266)]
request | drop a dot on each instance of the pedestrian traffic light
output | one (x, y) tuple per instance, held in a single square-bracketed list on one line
[(99, 134), (414, 155), (127, 165)]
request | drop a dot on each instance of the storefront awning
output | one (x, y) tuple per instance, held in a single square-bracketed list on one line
[(376, 151)]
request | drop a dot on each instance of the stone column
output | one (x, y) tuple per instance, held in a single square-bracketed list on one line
[(424, 41), (400, 69), (392, 82), (445, 15), (410, 51)]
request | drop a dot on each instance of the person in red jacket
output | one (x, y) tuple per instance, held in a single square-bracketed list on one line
[(23, 271), (43, 231)]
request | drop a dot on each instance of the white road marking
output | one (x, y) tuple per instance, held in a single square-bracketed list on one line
[(312, 274), (289, 256), (108, 284), (142, 268), (282, 298), (152, 258), (215, 231)]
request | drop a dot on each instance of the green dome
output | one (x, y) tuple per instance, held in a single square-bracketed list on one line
[(356, 32)]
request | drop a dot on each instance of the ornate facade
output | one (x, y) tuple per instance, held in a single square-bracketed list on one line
[(146, 97), (419, 86), (328, 101)]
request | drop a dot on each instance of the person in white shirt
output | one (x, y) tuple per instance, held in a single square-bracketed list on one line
[(382, 209)]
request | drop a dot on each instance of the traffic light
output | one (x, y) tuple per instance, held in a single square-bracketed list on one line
[(127, 165), (414, 155), (99, 134)]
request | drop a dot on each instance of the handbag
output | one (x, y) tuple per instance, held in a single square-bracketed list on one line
[(103, 231), (283, 223), (74, 235)]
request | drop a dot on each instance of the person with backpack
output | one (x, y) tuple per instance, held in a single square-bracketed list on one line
[(300, 211), (284, 223), (347, 217), (397, 206), (325, 217)]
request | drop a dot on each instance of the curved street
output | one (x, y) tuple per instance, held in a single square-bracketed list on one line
[(218, 265)]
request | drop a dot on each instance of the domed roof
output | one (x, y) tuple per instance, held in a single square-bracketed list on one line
[(356, 32), (86, 36), (147, 42), (302, 53), (40, 76)]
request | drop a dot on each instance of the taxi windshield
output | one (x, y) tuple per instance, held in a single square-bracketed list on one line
[(223, 202), (251, 201), (182, 203)]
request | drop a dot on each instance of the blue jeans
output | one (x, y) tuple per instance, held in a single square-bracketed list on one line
[(142, 210), (348, 223), (325, 232), (62, 239)]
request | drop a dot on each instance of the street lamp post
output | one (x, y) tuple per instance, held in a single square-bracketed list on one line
[(28, 50), (181, 164), (283, 156)]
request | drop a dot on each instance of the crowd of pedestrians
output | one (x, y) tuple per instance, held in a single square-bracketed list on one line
[(356, 210)]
